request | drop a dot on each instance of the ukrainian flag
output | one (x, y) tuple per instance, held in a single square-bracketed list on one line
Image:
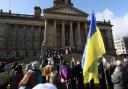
[(94, 49)]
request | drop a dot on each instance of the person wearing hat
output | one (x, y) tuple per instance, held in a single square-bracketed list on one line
[(35, 68)]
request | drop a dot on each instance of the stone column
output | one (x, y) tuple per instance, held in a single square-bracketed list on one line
[(15, 37), (63, 34), (79, 35), (40, 39), (71, 34), (24, 38), (5, 36), (45, 30), (32, 37), (55, 34), (86, 32)]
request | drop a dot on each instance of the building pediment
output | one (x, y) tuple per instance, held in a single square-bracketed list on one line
[(65, 9)]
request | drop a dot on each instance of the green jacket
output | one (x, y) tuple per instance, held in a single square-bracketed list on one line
[(119, 80)]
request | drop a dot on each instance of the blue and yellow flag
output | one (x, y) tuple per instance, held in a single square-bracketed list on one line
[(93, 50)]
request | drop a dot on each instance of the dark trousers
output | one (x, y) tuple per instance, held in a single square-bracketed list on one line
[(90, 85)]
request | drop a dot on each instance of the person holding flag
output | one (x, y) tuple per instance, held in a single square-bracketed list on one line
[(94, 49)]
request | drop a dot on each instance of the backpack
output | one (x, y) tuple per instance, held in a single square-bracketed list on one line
[(29, 79), (65, 72), (39, 78)]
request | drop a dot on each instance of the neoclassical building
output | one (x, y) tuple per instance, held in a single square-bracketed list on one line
[(62, 25)]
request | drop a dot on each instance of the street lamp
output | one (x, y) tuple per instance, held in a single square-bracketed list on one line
[(43, 45)]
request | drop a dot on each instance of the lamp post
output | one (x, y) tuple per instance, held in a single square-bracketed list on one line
[(45, 29), (43, 45)]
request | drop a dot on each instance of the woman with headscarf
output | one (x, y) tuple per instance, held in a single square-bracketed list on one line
[(35, 68)]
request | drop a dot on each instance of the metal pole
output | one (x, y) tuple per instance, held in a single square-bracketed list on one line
[(43, 46)]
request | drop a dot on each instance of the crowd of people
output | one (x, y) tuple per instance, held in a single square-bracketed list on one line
[(56, 73), (58, 53), (113, 75)]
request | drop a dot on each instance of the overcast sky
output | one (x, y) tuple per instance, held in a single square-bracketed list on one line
[(114, 10)]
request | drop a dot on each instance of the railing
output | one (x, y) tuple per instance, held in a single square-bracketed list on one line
[(16, 15)]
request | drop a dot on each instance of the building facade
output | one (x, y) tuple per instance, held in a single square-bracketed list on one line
[(121, 46), (62, 25)]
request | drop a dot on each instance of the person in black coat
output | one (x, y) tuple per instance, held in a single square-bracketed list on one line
[(79, 76), (109, 71), (73, 75), (102, 80)]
